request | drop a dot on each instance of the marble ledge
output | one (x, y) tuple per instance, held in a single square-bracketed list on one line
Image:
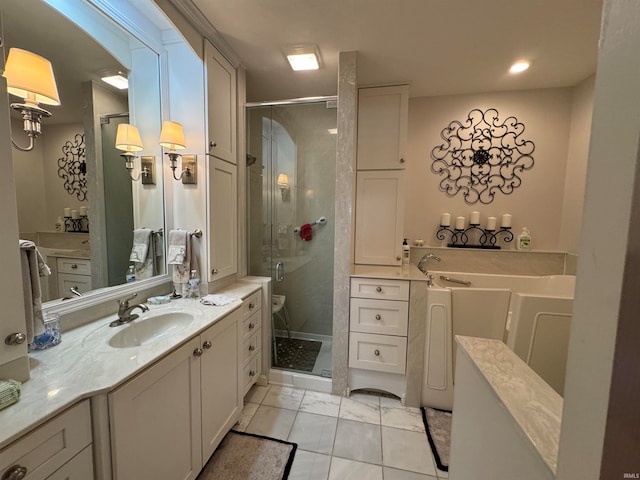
[(534, 405), (405, 272), (84, 365)]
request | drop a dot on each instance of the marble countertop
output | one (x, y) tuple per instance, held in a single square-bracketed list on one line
[(64, 253), (405, 272), (533, 404), (84, 365)]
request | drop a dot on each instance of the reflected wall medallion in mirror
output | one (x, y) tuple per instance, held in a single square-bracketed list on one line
[(482, 156), (72, 167)]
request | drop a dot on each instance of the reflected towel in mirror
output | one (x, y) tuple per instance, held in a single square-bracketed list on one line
[(33, 267)]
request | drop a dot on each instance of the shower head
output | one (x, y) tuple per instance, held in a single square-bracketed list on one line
[(250, 159)]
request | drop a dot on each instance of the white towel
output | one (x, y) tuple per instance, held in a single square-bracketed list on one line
[(217, 300), (177, 253), (33, 267), (182, 270), (140, 249)]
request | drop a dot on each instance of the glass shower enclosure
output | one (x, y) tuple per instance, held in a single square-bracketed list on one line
[(291, 164)]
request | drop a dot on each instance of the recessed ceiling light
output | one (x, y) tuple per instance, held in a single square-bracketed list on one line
[(119, 81), (303, 57), (519, 67)]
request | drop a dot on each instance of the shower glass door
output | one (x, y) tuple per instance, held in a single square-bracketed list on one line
[(291, 191)]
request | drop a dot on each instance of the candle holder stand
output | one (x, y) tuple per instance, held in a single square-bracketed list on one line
[(76, 225), (459, 237)]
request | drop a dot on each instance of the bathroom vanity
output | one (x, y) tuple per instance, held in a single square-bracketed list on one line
[(99, 406)]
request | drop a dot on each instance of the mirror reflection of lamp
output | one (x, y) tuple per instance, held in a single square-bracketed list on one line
[(172, 138), (283, 184), (30, 77), (128, 140)]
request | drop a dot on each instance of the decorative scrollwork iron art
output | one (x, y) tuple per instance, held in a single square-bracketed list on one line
[(72, 167), (482, 156)]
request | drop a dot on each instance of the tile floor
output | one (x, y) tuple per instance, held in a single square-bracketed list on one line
[(361, 437)]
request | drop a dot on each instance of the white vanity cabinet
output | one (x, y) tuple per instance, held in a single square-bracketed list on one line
[(168, 420), (378, 325), (59, 449), (251, 341), (73, 273)]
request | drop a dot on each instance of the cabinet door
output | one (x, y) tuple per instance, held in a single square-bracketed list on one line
[(223, 219), (79, 467), (221, 400), (155, 420), (66, 281), (382, 127), (221, 104), (379, 217)]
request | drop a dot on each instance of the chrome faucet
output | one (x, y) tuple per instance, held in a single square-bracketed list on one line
[(422, 263), (124, 311)]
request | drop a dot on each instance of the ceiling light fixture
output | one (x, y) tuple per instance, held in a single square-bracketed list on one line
[(119, 81), (303, 57), (519, 67)]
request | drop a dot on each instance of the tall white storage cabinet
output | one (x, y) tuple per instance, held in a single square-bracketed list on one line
[(382, 135), (222, 144)]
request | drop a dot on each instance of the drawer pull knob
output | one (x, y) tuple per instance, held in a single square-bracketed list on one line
[(15, 339), (251, 306), (206, 345), (252, 348), (74, 265), (377, 353), (378, 317), (251, 326), (212, 144), (398, 258), (402, 160), (16, 472), (198, 352), (378, 289), (252, 373), (214, 271)]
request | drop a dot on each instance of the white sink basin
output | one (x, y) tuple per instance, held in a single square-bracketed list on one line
[(150, 327)]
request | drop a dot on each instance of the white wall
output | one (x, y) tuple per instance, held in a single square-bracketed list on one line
[(536, 204)]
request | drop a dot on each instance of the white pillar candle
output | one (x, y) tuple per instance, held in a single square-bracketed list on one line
[(445, 220), (474, 219), (459, 223), (506, 220), (75, 213), (491, 223), (83, 211), (67, 212)]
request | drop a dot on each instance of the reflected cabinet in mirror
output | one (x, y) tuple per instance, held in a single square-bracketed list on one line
[(77, 200)]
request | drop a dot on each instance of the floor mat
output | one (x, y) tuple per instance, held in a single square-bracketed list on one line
[(296, 354), (437, 424)]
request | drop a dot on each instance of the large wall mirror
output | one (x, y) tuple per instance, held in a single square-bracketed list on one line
[(76, 199)]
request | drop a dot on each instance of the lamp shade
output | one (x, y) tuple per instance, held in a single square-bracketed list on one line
[(30, 76), (128, 138), (283, 180), (172, 136)]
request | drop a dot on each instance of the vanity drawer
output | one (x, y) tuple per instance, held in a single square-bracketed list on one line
[(380, 353), (251, 346), (386, 317), (47, 448), (250, 325), (379, 288), (77, 266), (251, 304), (251, 372)]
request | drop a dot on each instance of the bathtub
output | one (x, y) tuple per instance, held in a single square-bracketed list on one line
[(531, 314)]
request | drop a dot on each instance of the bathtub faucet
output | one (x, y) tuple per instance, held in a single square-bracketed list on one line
[(422, 264)]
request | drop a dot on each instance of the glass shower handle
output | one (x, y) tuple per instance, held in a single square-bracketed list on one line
[(279, 272)]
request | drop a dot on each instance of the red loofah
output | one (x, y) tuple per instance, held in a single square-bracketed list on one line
[(306, 233)]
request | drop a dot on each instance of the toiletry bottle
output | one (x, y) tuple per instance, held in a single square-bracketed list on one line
[(405, 252), (524, 240), (193, 289), (131, 274), (59, 225)]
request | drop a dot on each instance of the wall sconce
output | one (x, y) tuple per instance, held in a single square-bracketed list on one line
[(172, 137), (283, 184), (128, 140), (30, 77)]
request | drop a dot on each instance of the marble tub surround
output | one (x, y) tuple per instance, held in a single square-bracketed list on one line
[(534, 407), (83, 365), (503, 262)]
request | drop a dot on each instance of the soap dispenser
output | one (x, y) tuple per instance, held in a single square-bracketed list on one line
[(406, 251), (524, 240)]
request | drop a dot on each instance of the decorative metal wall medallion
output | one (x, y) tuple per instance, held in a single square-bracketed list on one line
[(482, 156), (72, 167)]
